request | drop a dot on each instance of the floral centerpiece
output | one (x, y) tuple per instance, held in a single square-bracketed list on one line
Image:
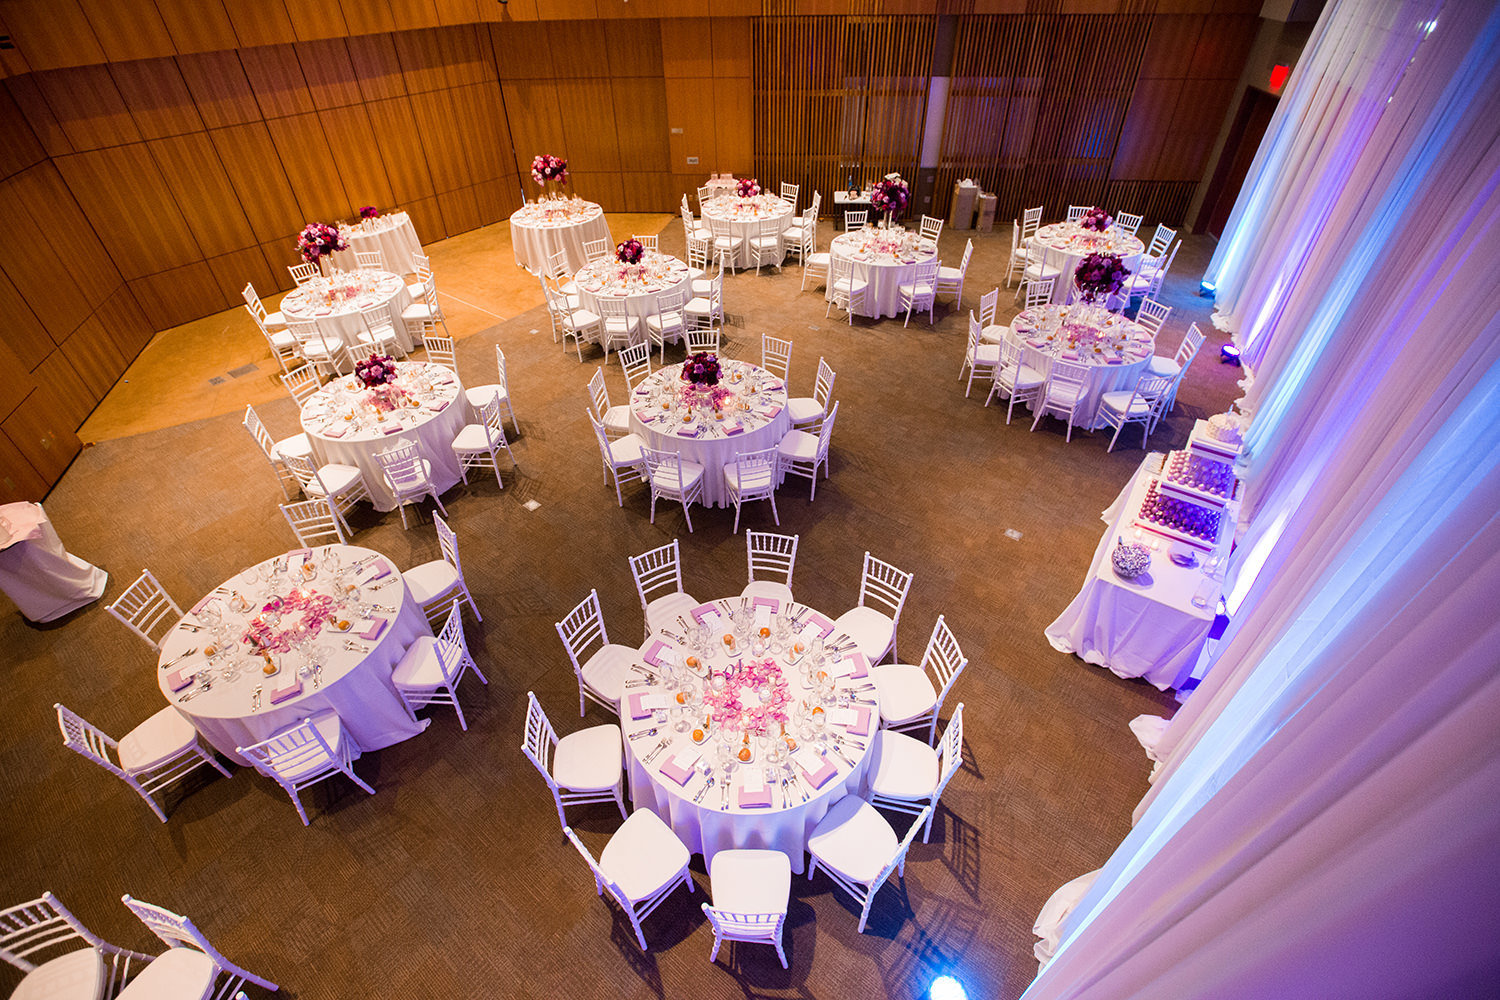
[(753, 699), (547, 170), (630, 252), (890, 197), (318, 239), (377, 369), (748, 187), (307, 611), (369, 212), (1095, 220), (702, 370), (1100, 275)]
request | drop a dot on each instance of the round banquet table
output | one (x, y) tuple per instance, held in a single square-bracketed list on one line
[(724, 816), (1124, 348), (886, 259), (1065, 244), (441, 412), (744, 216), (539, 230), (354, 678), (640, 285), (712, 443), (334, 302), (393, 235)]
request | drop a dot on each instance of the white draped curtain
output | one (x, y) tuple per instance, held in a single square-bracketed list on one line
[(1326, 820)]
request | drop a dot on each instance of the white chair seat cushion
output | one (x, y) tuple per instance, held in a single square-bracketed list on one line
[(431, 580), (1064, 395), (380, 335), (916, 291), (472, 439), (481, 394), (818, 259), (416, 290), (297, 444), (671, 322), (994, 333), (728, 241), (903, 767), (626, 450), (666, 478), (617, 418), (798, 446), (605, 671), (282, 340), (849, 285), (803, 409), (420, 667), (419, 312), (411, 485), (176, 974), (986, 354), (308, 762), (588, 760), (643, 855), (620, 324), (318, 350), (1036, 272), (274, 319), (757, 477), (1121, 398), (580, 318), (665, 609), (1159, 365), (1026, 377), (871, 631), (766, 242), (698, 304), (768, 588), (854, 840), (949, 274), (78, 975), (159, 738), (338, 479), (906, 692), (702, 287), (750, 881), (703, 235)]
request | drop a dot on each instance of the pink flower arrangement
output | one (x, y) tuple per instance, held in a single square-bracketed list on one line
[(702, 370), (1095, 219), (317, 240), (369, 212), (546, 168), (376, 370), (890, 197), (315, 609), (748, 187), (630, 252), (729, 708), (1100, 274)]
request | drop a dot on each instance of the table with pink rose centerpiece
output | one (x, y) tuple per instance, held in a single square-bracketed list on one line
[(1065, 244), (1116, 349), (331, 647), (886, 259), (781, 743), (640, 285), (335, 303), (744, 216), (540, 229), (392, 234)]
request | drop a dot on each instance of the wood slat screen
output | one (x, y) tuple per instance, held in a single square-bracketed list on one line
[(835, 94), (1035, 109)]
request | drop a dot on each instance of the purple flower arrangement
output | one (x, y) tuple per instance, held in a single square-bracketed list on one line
[(702, 370), (318, 239), (369, 212), (890, 197), (1095, 219), (748, 187), (376, 370), (630, 252), (546, 168), (1100, 274)]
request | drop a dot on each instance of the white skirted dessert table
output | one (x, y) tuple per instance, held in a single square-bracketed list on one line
[(349, 424), (744, 216), (392, 234), (742, 730), (752, 406), (1117, 350), (1065, 244), (540, 229), (885, 259), (36, 572), (335, 303), (640, 285), (333, 621), (1154, 625)]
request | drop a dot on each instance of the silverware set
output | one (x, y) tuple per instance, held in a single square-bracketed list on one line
[(656, 752), (642, 670), (642, 734), (179, 657), (355, 647), (255, 698), (317, 675), (638, 684)]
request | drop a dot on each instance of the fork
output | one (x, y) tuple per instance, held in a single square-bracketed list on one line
[(654, 753), (255, 699), (180, 656)]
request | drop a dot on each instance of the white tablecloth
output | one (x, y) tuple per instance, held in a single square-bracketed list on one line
[(704, 826), (354, 684), (537, 232), (1147, 627), (744, 216), (393, 235), (641, 286), (36, 572), (341, 316), (886, 272), (1036, 332), (433, 432), (712, 447), (1067, 243)]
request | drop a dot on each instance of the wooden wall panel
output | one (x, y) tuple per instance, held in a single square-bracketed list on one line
[(32, 263), (400, 149), (95, 358), (583, 46), (312, 21), (249, 158), (49, 202), (275, 75), (260, 22), (127, 199), (172, 297), (413, 14), (197, 25), (52, 33), (221, 91), (523, 51), (376, 67), (18, 480), (88, 106), (56, 378), (329, 73), (157, 97), (686, 49), (124, 323), (640, 123), (366, 18), (588, 119), (128, 30), (359, 167), (20, 149), (25, 336), (40, 430), (203, 192), (308, 160), (535, 121), (439, 126), (19, 384)]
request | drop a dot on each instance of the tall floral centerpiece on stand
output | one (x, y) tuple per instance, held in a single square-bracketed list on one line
[(1098, 276), (548, 170), (1095, 220), (377, 374), (369, 212), (702, 372), (318, 241), (630, 252), (890, 198), (748, 187)]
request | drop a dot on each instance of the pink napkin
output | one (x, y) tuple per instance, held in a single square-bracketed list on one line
[(292, 690), (861, 727), (382, 569), (1037, 343), (393, 429), (772, 412), (1070, 355), (676, 771), (690, 431), (1111, 361), (821, 775), (773, 603), (377, 626), (749, 799), (774, 386), (438, 407), (821, 622), (734, 428), (637, 710), (861, 667), (652, 655), (335, 430), (177, 680), (702, 611)]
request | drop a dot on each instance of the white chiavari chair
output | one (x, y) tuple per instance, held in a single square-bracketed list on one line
[(635, 363), (439, 586), (499, 390), (1127, 222), (313, 750), (369, 260), (380, 331), (618, 329), (752, 476), (767, 553), (297, 444), (614, 419), (146, 609), (855, 219), (911, 696), (846, 290), (1015, 379), (707, 311), (477, 445), (1160, 240), (1076, 212), (313, 522), (595, 250), (807, 412), (601, 673), (766, 245), (668, 321), (1064, 394), (191, 968), (930, 229), (303, 273), (852, 840), (920, 291), (951, 279), (302, 384), (673, 478), (907, 774), (586, 766), (750, 890), (342, 485), (1141, 404), (659, 572), (632, 865), (873, 630), (620, 456), (802, 453), (58, 957), (432, 668), (980, 359), (408, 476), (776, 356)]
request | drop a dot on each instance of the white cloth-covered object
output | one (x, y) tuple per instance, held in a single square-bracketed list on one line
[(1055, 910), (539, 230), (354, 684), (392, 234), (1148, 730), (641, 286), (78, 975), (882, 272), (744, 216), (342, 318), (36, 572), (1034, 332)]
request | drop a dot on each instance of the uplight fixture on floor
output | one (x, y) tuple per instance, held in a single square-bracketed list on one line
[(1229, 354), (1206, 289), (947, 988)]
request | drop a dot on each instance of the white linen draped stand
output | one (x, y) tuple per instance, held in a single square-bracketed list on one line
[(535, 240), (43, 579), (1324, 821), (393, 235)]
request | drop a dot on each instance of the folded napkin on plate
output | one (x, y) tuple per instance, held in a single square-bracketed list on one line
[(703, 611), (734, 427), (379, 568), (393, 429), (754, 792), (292, 690), (179, 678), (817, 770), (680, 767), (770, 412), (337, 429), (775, 386), (689, 431), (1070, 355), (855, 720), (823, 625), (370, 628), (1036, 343), (1111, 361), (643, 703), (861, 665), (774, 603), (653, 654), (323, 312), (644, 390)]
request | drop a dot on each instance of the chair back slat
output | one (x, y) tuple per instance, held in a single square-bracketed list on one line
[(767, 552), (883, 583), (658, 569)]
